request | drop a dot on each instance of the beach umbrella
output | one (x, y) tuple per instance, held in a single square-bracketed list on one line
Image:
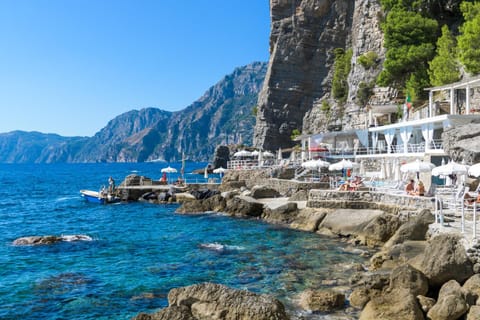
[(260, 159), (450, 168), (205, 173), (255, 153), (168, 170), (344, 164), (474, 170), (268, 154), (242, 153), (417, 166), (220, 171), (315, 164)]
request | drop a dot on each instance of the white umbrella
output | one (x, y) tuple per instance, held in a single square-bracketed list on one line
[(315, 164), (344, 164), (474, 170), (169, 170), (450, 168), (255, 153), (220, 170), (268, 154), (205, 173), (242, 153), (417, 166)]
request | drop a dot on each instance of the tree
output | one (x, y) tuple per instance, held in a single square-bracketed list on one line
[(444, 67), (469, 39), (341, 68), (409, 40)]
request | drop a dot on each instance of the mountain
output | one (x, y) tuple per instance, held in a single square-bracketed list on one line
[(224, 114)]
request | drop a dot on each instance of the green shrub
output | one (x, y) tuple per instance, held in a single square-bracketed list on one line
[(368, 59)]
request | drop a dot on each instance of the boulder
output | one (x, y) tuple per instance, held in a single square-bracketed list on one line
[(215, 301), (360, 296), (407, 277), (471, 289), (444, 259), (169, 313), (244, 206), (394, 305), (426, 303), (261, 192), (451, 304), (321, 300), (347, 222), (414, 229), (308, 219), (284, 213), (377, 231), (473, 313), (215, 203)]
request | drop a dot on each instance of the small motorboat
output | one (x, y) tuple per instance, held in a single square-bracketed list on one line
[(99, 197)]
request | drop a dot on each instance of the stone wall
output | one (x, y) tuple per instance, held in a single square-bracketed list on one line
[(367, 200)]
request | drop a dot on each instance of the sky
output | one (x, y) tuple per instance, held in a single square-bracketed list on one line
[(70, 66)]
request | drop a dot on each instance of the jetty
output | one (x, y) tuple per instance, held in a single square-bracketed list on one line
[(135, 187)]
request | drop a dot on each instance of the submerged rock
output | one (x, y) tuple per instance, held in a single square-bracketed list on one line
[(43, 240), (217, 302)]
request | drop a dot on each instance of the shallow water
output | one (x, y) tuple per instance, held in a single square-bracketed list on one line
[(138, 251)]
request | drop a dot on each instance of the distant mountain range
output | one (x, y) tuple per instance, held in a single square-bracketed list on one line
[(223, 115)]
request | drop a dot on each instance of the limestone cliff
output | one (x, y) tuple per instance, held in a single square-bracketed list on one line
[(304, 34)]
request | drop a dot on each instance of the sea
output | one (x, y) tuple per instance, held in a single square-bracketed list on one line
[(136, 252)]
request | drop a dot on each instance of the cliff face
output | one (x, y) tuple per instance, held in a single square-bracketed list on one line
[(303, 37)]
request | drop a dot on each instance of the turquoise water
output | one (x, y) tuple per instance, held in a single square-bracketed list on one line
[(138, 251)]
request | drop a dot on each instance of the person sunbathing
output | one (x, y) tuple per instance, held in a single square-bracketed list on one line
[(410, 187), (419, 189), (469, 199)]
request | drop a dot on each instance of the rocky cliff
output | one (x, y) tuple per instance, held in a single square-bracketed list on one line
[(224, 114), (303, 37)]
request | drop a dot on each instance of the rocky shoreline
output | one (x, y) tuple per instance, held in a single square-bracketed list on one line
[(415, 273)]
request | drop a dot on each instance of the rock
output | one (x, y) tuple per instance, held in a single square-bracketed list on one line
[(221, 157), (451, 304), (321, 300), (394, 305), (379, 230), (461, 142), (444, 259), (244, 206), (308, 219), (407, 277), (300, 195), (471, 289), (347, 222), (473, 313), (215, 301), (426, 303), (284, 213), (260, 192), (414, 229), (169, 313), (360, 296), (45, 240)]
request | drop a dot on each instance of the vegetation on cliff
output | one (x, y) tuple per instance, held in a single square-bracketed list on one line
[(419, 55)]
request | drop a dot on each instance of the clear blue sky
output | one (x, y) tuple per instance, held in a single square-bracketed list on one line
[(70, 66)]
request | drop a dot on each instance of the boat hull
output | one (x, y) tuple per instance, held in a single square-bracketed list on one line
[(97, 197)]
